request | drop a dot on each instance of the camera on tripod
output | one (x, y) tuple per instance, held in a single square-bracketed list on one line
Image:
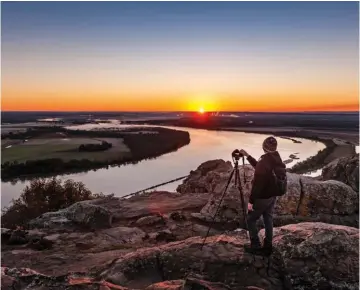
[(236, 154)]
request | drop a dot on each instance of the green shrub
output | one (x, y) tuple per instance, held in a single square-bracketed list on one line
[(44, 195)]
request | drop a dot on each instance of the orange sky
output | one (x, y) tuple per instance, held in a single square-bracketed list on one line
[(58, 101), (162, 56)]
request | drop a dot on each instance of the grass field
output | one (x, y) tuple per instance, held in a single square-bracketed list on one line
[(66, 149)]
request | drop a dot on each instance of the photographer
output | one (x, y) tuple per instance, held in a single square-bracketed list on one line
[(263, 195)]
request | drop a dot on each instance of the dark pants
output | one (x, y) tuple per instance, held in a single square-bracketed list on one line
[(265, 208)]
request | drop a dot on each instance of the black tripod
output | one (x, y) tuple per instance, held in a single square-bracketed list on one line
[(236, 156)]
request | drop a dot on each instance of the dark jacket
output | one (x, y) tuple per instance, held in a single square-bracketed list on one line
[(264, 182)]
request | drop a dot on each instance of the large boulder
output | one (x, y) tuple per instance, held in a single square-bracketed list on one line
[(205, 177), (231, 206), (318, 255), (344, 169), (83, 213), (222, 259), (306, 256), (90, 215), (306, 199), (51, 220)]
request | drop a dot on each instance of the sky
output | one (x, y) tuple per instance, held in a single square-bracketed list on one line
[(175, 56)]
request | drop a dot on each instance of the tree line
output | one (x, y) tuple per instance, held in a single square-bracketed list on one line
[(42, 196), (142, 146), (314, 162)]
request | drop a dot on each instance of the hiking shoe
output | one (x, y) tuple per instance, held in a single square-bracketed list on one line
[(267, 248)]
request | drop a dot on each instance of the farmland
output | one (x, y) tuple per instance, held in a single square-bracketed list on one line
[(45, 151), (63, 148)]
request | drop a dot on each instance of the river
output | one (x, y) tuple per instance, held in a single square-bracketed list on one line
[(205, 145)]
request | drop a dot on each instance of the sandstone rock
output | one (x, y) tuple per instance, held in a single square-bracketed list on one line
[(163, 236), (201, 230), (177, 216), (327, 197), (328, 201), (202, 179), (193, 283), (306, 256), (230, 209), (51, 220), (87, 214), (53, 237), (84, 245), (318, 255), (82, 213), (345, 169), (167, 285), (27, 279), (95, 213), (221, 259), (125, 234), (150, 220)]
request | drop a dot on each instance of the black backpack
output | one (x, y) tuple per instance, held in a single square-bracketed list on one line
[(280, 180)]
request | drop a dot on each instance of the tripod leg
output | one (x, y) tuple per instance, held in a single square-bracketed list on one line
[(217, 209), (237, 176)]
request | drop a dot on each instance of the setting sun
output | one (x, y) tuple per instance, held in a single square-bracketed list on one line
[(201, 110)]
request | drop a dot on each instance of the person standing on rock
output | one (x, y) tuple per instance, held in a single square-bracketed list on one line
[(263, 195)]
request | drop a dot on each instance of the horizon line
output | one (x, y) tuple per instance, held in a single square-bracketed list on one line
[(174, 111)]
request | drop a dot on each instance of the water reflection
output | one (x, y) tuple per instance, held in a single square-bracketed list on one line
[(205, 145)]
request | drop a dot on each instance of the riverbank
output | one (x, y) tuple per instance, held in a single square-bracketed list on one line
[(55, 150), (337, 143), (204, 145), (335, 147)]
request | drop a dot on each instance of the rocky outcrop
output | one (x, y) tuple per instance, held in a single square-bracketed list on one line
[(306, 256), (306, 199), (345, 169), (122, 242), (194, 283), (26, 279), (205, 177), (101, 212), (167, 285), (89, 215), (318, 255), (84, 214)]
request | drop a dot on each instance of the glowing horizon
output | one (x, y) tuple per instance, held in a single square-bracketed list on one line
[(180, 56)]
